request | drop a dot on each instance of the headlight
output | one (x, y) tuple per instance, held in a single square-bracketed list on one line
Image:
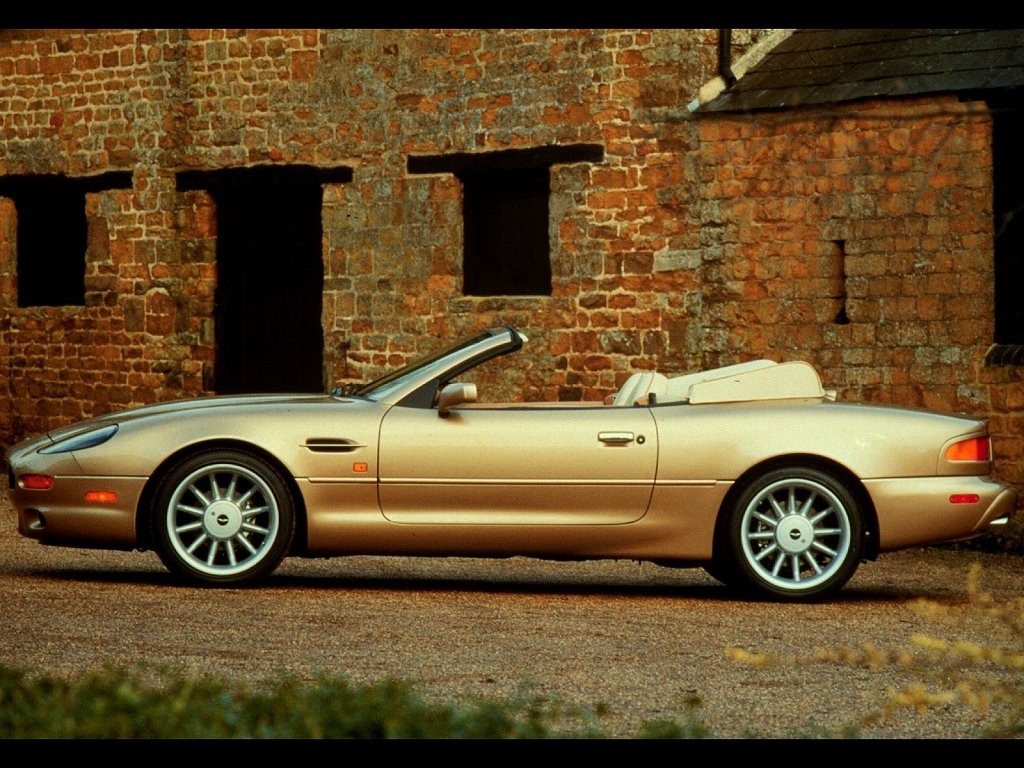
[(82, 440)]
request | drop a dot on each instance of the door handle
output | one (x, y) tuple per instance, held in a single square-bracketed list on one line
[(615, 438)]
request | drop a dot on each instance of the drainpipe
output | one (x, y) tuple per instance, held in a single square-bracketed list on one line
[(725, 57)]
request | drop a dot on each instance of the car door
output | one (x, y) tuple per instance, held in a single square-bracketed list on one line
[(529, 465)]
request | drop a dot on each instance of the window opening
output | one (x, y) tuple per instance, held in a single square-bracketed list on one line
[(52, 234), (1008, 211), (506, 217), (839, 282)]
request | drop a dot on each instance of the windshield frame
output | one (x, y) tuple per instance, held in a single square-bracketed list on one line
[(417, 383)]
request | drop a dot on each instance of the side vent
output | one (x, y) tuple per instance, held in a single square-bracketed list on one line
[(332, 445)]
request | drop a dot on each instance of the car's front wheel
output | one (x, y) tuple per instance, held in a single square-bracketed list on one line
[(795, 534), (223, 517)]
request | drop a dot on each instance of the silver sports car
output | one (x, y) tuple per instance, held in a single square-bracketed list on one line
[(752, 471)]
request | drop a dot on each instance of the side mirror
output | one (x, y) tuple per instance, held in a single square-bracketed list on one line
[(455, 394)]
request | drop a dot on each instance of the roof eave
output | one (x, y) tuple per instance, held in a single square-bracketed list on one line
[(714, 88)]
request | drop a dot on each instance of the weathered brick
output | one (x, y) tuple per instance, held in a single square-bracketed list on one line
[(695, 241)]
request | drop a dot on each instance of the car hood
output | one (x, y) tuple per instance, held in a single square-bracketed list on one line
[(218, 403)]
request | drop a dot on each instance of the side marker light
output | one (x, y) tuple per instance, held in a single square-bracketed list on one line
[(36, 482), (101, 497), (964, 498)]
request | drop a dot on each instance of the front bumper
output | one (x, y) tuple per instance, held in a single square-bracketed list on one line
[(64, 516)]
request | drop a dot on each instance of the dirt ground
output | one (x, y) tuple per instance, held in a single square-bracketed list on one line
[(637, 639)]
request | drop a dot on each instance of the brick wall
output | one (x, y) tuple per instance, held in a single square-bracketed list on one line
[(142, 336), (860, 238), (695, 242), (394, 240), (154, 102)]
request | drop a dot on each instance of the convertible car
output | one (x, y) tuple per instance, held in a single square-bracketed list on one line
[(752, 471)]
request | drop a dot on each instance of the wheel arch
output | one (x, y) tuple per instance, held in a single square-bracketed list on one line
[(812, 461), (142, 528)]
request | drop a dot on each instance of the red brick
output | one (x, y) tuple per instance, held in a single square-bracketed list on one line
[(758, 203)]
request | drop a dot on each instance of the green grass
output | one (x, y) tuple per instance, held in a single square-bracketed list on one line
[(141, 703)]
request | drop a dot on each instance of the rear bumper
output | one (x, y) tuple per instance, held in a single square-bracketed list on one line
[(921, 510)]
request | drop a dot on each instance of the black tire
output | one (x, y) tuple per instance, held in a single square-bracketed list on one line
[(223, 517), (795, 533)]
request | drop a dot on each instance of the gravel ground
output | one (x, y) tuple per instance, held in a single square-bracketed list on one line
[(635, 638)]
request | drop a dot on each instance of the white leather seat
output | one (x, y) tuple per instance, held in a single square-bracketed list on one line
[(638, 386)]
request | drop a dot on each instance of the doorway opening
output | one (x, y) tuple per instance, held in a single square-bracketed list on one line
[(269, 297)]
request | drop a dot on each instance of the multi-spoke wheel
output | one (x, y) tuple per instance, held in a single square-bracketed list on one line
[(796, 533), (223, 517)]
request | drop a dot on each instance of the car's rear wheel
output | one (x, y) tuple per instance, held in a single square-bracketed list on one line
[(223, 517), (795, 534)]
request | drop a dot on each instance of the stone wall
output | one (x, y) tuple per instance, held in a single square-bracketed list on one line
[(859, 239), (623, 241), (143, 335)]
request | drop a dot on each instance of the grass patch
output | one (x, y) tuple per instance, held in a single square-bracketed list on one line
[(144, 703)]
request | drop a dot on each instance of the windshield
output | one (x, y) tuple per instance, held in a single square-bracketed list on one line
[(439, 361)]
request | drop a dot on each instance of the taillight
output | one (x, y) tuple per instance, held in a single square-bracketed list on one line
[(974, 449)]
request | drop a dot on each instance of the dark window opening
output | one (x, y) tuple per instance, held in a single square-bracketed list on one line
[(839, 282), (270, 276), (506, 246), (1008, 210), (52, 233)]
